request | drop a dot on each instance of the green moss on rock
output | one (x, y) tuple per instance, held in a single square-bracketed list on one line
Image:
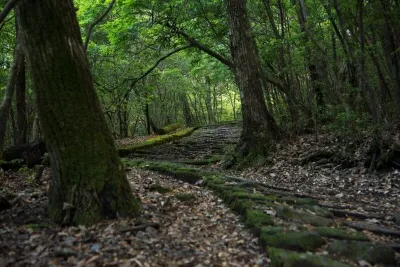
[(357, 251), (242, 206), (298, 201), (257, 219), (319, 211), (284, 258), (271, 230), (300, 241), (338, 233), (289, 214)]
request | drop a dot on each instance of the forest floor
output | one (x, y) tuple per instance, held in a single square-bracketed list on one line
[(298, 210)]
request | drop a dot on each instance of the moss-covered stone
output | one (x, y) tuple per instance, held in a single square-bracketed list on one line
[(257, 219), (357, 251), (242, 206), (159, 140), (298, 201), (284, 258), (271, 230), (338, 233), (289, 214), (182, 174), (300, 241), (185, 197), (319, 210), (160, 189)]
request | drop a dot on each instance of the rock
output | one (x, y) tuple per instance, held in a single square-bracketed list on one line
[(358, 251), (257, 218), (280, 257), (289, 214), (338, 233), (300, 241), (319, 211)]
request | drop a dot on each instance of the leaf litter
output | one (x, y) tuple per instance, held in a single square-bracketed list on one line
[(201, 231)]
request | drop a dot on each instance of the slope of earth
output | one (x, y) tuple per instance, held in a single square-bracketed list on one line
[(180, 225), (323, 205)]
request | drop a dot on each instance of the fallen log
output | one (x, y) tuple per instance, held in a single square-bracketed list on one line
[(30, 154)]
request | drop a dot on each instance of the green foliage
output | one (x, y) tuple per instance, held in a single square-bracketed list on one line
[(348, 125)]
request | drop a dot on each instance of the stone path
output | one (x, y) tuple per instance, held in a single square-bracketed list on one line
[(204, 144), (294, 229)]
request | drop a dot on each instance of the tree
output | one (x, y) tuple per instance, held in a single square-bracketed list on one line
[(259, 127), (7, 101), (88, 179)]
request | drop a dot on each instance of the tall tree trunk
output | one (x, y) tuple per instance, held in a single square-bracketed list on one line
[(365, 87), (88, 178), (20, 98), (209, 106), (36, 129), (187, 113), (6, 104), (315, 78), (391, 41), (259, 127)]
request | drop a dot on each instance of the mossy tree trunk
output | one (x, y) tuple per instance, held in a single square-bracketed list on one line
[(88, 179), (5, 106), (20, 99), (259, 127)]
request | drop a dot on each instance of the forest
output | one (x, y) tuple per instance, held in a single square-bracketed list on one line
[(200, 133)]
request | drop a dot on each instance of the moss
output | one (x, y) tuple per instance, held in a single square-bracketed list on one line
[(298, 201), (271, 230), (337, 233), (123, 151), (300, 241), (319, 211), (283, 258), (185, 197), (357, 251), (201, 161), (257, 219), (171, 128), (214, 180), (160, 189), (242, 206), (289, 214)]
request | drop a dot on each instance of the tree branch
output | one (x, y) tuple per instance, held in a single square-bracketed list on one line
[(141, 77), (6, 10), (136, 80), (205, 49), (97, 21)]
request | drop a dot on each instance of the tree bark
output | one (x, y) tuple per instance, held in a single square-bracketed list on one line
[(187, 113), (88, 178), (315, 78), (259, 127), (6, 104), (20, 98)]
